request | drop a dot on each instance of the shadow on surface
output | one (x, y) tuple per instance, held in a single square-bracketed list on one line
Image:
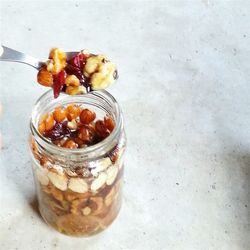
[(237, 171), (35, 208)]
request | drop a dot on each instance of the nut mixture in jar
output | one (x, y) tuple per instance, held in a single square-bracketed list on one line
[(80, 74), (78, 200)]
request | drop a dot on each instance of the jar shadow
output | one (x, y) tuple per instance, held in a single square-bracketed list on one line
[(35, 208), (237, 187)]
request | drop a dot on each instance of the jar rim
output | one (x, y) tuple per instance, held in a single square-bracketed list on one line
[(102, 146)]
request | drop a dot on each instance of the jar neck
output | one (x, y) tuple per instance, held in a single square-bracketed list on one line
[(99, 100)]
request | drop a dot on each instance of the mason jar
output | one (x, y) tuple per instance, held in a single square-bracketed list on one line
[(79, 190)]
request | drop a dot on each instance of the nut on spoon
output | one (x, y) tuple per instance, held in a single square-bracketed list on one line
[(11, 55)]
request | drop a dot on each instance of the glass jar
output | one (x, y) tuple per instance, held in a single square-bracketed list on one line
[(79, 190)]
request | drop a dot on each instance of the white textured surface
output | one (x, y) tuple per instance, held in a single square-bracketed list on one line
[(185, 91)]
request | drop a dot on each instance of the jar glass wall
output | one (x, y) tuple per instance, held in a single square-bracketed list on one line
[(79, 190)]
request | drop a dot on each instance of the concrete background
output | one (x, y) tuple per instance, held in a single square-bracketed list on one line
[(185, 93)]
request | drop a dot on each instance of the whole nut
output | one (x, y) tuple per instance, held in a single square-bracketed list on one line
[(72, 90), (72, 80), (70, 144), (104, 77), (44, 77), (59, 114), (92, 64), (57, 54), (57, 60), (87, 116)]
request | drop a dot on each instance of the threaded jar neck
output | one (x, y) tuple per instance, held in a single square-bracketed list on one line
[(102, 102)]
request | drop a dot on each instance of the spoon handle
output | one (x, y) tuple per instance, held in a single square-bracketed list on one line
[(11, 55)]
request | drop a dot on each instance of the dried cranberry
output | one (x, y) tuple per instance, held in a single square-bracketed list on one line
[(78, 60), (75, 66), (73, 70), (59, 81), (59, 130)]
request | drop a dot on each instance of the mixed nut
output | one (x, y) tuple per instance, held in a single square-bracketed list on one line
[(74, 127), (78, 200), (75, 204), (84, 197), (80, 74)]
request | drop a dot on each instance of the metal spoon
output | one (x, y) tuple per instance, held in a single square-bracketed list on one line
[(11, 55)]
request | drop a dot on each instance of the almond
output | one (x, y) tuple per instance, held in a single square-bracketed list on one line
[(98, 182), (78, 185), (111, 174), (59, 181), (70, 172), (101, 165), (42, 177)]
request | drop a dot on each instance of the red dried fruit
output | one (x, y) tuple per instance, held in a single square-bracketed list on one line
[(87, 116), (73, 70), (109, 123), (59, 81), (59, 131), (78, 60), (101, 129)]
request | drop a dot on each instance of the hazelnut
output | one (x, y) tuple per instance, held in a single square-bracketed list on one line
[(87, 116), (73, 111), (109, 123), (101, 129), (59, 114), (85, 134), (44, 77), (49, 123)]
